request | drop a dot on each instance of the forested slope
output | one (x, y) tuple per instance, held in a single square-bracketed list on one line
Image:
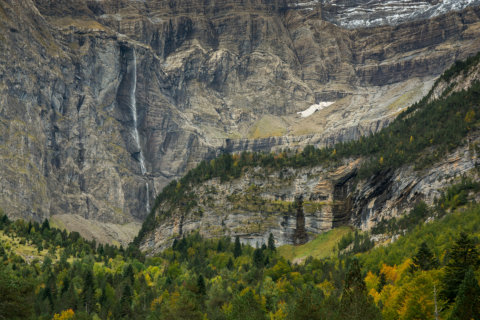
[(434, 262)]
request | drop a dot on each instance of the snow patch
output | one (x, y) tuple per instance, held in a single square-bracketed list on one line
[(314, 108)]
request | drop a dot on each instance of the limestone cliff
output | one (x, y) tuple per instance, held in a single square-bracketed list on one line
[(103, 102), (258, 204), (296, 203)]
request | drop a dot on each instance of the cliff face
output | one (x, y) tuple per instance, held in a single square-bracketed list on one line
[(295, 204), (103, 102), (260, 202)]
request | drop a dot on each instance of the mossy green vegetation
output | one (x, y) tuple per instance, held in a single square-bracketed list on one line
[(323, 246)]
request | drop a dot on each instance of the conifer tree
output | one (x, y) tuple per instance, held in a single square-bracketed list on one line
[(201, 285), (424, 258), (88, 292), (356, 304), (271, 242), (230, 264), (126, 301), (464, 255), (381, 282), (467, 303), (69, 297), (237, 249), (258, 258)]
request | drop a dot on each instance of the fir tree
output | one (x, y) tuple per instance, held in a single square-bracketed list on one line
[(356, 304), (201, 285), (128, 274), (467, 303), (464, 255), (126, 302), (237, 249), (271, 242), (258, 258), (230, 264), (424, 258), (88, 292), (381, 282)]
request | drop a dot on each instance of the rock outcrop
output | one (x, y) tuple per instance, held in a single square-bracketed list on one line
[(263, 202), (297, 204), (103, 102)]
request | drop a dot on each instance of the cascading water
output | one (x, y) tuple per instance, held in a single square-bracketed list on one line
[(133, 108), (148, 197), (135, 135)]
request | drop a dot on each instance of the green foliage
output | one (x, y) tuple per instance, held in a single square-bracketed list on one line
[(456, 195), (424, 259), (237, 249), (271, 242), (247, 306), (463, 256), (16, 294), (407, 222), (355, 302), (460, 67), (310, 304), (467, 302), (211, 278)]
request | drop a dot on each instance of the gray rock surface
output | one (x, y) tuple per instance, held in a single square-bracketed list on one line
[(265, 200), (207, 77)]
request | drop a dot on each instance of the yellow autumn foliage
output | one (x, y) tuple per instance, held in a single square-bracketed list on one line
[(64, 315)]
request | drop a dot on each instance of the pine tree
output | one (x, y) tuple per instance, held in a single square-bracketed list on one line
[(45, 225), (258, 258), (88, 296), (381, 282), (230, 264), (464, 255), (201, 285), (69, 297), (126, 302), (271, 242), (356, 304), (467, 303), (237, 249), (128, 274), (424, 258)]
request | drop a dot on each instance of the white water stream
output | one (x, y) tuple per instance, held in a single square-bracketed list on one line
[(135, 135), (133, 108), (147, 205)]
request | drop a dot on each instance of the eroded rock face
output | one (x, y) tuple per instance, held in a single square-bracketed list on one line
[(296, 204), (205, 77), (263, 202)]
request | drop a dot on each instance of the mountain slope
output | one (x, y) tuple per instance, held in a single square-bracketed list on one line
[(295, 195), (102, 103), (222, 279)]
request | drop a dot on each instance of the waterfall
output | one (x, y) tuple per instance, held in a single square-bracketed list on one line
[(135, 135), (148, 197), (133, 108)]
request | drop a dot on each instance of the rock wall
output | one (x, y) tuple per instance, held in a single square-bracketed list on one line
[(206, 77), (263, 202)]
